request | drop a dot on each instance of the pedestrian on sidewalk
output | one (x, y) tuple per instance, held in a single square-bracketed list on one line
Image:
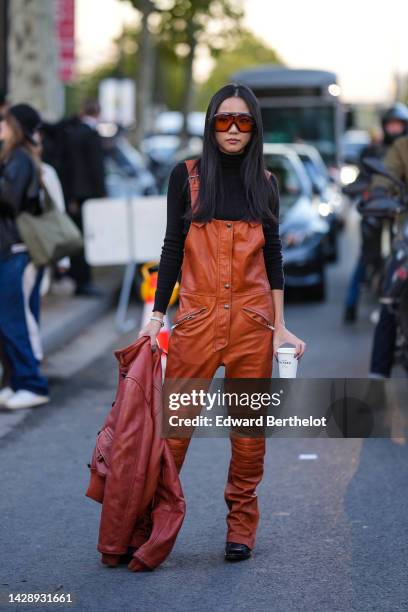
[(84, 174), (41, 286), (222, 232), (53, 186), (20, 188)]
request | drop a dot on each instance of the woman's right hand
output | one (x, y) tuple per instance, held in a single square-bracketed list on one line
[(152, 329)]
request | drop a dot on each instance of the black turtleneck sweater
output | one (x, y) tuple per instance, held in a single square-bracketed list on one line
[(233, 208)]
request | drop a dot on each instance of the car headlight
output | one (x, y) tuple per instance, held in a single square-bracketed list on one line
[(348, 174), (324, 209)]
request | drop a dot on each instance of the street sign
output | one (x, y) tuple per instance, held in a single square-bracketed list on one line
[(117, 99)]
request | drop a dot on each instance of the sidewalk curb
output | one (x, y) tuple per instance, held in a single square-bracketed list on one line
[(86, 312)]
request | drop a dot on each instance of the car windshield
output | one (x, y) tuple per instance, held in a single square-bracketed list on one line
[(317, 179), (353, 143), (290, 186)]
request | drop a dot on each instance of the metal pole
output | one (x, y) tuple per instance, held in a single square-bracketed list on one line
[(122, 323)]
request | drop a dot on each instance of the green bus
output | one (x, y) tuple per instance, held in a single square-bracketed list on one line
[(298, 106)]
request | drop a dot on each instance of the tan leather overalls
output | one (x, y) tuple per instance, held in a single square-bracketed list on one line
[(225, 317)]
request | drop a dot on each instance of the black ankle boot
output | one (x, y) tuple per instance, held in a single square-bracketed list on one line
[(236, 552), (127, 556)]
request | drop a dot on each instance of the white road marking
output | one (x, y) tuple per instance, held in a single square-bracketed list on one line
[(307, 456)]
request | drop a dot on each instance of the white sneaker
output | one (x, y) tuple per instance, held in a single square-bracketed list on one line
[(5, 394), (25, 399)]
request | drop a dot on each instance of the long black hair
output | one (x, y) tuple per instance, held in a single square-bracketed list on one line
[(261, 192)]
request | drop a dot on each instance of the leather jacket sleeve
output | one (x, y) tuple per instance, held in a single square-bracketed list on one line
[(14, 181)]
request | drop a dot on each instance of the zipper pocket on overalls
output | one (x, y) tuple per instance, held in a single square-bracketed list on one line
[(188, 316), (250, 312)]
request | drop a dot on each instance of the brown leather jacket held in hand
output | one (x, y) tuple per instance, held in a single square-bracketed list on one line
[(133, 474)]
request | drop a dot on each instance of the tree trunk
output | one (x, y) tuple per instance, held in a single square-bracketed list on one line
[(144, 83), (33, 57), (188, 85)]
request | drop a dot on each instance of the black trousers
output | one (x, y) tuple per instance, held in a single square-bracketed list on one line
[(384, 342), (382, 354), (80, 270)]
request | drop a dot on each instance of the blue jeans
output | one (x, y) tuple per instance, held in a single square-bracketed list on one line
[(19, 332), (35, 297), (353, 292)]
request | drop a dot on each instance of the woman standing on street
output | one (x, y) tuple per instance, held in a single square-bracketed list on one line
[(20, 183), (222, 230)]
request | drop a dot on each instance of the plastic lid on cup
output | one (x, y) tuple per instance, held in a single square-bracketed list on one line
[(287, 350)]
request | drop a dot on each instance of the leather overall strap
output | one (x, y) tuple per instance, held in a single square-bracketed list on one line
[(193, 179)]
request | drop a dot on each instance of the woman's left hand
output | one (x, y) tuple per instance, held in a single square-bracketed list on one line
[(282, 335)]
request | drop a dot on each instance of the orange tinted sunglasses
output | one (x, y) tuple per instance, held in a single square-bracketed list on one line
[(223, 121)]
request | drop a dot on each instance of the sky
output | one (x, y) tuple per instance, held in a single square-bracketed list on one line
[(364, 45)]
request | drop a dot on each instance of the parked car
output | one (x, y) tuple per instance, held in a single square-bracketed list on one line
[(328, 198), (126, 170), (353, 143), (304, 233), (162, 152)]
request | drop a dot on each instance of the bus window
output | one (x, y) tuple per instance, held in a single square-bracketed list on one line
[(298, 105), (312, 125)]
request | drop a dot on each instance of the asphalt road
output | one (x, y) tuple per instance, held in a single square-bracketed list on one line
[(333, 529)]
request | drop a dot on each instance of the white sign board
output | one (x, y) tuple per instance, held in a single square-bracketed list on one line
[(117, 100), (119, 230)]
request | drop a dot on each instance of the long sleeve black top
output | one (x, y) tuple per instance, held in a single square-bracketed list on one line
[(233, 208)]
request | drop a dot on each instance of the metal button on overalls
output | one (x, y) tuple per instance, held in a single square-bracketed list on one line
[(225, 317)]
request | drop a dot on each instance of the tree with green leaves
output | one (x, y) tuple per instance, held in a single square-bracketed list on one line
[(183, 25), (171, 84), (203, 25), (245, 51)]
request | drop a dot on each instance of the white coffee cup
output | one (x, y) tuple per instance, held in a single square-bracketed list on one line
[(287, 362)]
